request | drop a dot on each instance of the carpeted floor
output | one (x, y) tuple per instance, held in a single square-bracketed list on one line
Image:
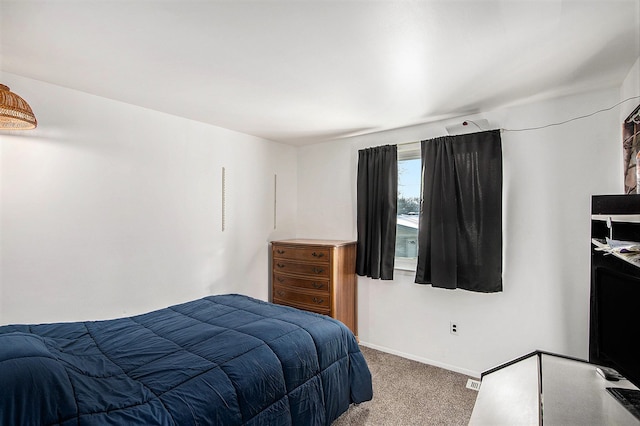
[(407, 392)]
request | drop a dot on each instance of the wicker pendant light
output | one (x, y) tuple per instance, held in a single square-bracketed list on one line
[(15, 112)]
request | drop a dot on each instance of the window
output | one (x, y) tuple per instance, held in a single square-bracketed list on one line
[(409, 184)]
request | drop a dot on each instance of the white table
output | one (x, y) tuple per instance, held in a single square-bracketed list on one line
[(543, 388)]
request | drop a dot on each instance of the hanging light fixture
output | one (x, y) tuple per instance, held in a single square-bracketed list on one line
[(15, 112)]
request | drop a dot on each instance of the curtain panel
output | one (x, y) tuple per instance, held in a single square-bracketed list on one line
[(377, 206), (460, 225)]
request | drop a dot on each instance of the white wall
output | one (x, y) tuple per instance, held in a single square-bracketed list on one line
[(110, 209), (549, 177), (630, 88)]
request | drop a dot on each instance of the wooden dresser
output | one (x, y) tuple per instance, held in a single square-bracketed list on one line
[(317, 276)]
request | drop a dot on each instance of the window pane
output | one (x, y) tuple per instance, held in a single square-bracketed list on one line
[(408, 208)]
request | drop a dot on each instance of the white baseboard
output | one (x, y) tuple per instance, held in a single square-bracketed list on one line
[(464, 371)]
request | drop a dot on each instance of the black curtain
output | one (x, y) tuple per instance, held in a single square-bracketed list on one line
[(377, 192), (460, 229)]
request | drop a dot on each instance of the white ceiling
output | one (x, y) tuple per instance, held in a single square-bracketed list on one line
[(309, 70)]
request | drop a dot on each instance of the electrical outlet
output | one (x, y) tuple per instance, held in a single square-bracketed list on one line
[(453, 328)]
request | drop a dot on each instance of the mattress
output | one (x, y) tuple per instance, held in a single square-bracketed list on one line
[(221, 360)]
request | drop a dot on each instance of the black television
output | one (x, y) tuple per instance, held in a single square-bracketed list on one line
[(614, 330), (616, 319)]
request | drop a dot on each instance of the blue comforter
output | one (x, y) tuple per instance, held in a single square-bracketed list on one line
[(221, 360)]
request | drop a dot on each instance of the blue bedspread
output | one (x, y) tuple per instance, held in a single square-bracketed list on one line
[(221, 360)]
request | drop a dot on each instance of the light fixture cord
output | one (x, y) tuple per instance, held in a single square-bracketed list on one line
[(566, 121)]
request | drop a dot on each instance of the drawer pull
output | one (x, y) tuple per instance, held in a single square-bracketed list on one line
[(317, 270), (280, 265), (280, 251), (318, 300), (317, 285), (280, 279), (314, 254), (280, 293)]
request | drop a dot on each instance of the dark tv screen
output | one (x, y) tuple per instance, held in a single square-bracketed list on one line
[(618, 326)]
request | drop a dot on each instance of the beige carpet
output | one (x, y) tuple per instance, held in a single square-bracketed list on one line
[(407, 392)]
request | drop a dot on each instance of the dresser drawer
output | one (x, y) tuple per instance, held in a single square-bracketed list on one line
[(311, 254), (308, 308), (319, 285), (321, 302), (316, 275), (308, 269)]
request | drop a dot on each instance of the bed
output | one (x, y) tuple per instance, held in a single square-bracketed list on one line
[(221, 360)]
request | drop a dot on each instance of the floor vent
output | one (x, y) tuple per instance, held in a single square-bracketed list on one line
[(473, 384)]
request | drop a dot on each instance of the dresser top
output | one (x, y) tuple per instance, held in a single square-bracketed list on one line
[(307, 241)]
